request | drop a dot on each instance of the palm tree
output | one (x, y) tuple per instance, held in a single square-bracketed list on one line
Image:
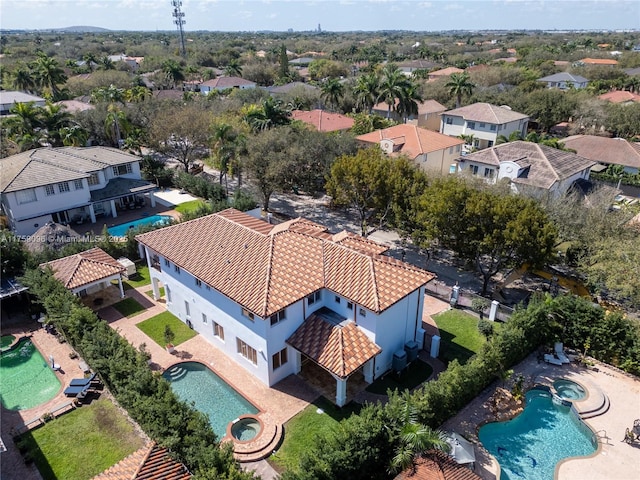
[(233, 68), (366, 91), (332, 91), (408, 104), (137, 94), (24, 126), (90, 60), (265, 116), (106, 63), (110, 95), (74, 136), (459, 85), (225, 146), (513, 136), (116, 125), (53, 118), (392, 86), (22, 78), (173, 72), (49, 74)]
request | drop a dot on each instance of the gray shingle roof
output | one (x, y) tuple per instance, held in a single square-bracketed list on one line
[(563, 77), (7, 97), (486, 113)]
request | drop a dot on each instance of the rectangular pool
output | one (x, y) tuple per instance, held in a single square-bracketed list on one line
[(122, 229)]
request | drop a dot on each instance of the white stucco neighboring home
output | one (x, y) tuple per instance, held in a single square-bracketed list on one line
[(223, 83), (485, 122), (431, 151), (606, 151), (428, 115), (10, 98), (133, 62), (530, 168), (274, 298), (69, 185), (564, 80)]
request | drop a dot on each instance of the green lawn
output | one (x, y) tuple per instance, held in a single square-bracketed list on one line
[(410, 378), (129, 307), (460, 336), (302, 431), (154, 328), (140, 279), (188, 206), (150, 292), (83, 443)]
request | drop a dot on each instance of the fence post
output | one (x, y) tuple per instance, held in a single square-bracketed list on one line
[(494, 310)]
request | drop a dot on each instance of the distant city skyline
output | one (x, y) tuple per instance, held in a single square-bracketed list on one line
[(331, 15)]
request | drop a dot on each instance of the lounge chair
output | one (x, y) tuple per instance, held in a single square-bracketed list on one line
[(76, 391), (81, 382), (551, 359), (559, 352)]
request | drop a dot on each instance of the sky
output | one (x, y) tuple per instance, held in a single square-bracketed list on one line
[(331, 15)]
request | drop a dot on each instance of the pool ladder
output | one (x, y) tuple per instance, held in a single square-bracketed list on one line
[(599, 436)]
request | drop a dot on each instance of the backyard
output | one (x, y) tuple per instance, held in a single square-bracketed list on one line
[(154, 327), (460, 336)]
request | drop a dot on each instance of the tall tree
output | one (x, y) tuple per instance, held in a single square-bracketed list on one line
[(266, 116), (225, 145), (22, 78), (233, 68), (408, 102), (24, 126), (173, 72), (49, 74), (283, 67), (366, 91), (332, 92), (459, 84), (393, 83)]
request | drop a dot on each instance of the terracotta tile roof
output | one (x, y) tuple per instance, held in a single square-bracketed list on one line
[(437, 465), (356, 242), (148, 463), (486, 113), (547, 165), (339, 348), (265, 268), (424, 108), (226, 82), (599, 61), (620, 96), (323, 121), (445, 72), (84, 268), (411, 140), (616, 151)]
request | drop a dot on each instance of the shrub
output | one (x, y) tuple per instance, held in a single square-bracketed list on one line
[(199, 186), (485, 327)]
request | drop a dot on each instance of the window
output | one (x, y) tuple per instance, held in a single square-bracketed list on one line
[(471, 124), (176, 268), (474, 169), (277, 317), (350, 305), (64, 187), (78, 185), (198, 283), (93, 179), (492, 128), (207, 286), (458, 149), (26, 196), (204, 318), (362, 312), (48, 189), (482, 125), (218, 331), (246, 313), (247, 351), (187, 309), (313, 298), (167, 290), (488, 172), (167, 263), (279, 359), (122, 169), (449, 121), (337, 299), (450, 150), (489, 143)]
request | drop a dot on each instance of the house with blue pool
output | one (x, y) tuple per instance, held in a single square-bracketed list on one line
[(69, 185), (281, 298)]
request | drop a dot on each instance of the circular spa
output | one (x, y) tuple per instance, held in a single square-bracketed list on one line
[(568, 390), (245, 428)]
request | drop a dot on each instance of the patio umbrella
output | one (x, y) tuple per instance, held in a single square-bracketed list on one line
[(461, 449)]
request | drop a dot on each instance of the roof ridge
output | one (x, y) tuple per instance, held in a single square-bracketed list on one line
[(376, 296), (265, 303), (495, 115), (30, 159), (150, 448), (546, 159), (343, 360)]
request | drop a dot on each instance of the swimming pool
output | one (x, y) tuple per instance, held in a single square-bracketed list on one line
[(122, 229), (195, 382), (27, 379), (531, 445)]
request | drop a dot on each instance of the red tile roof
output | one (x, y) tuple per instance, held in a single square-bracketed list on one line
[(437, 465), (599, 61), (266, 268), (84, 268), (148, 463), (411, 140), (620, 96), (341, 349), (323, 121), (445, 72)]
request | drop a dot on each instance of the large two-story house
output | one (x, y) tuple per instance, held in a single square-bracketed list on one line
[(69, 185), (275, 297), (483, 121)]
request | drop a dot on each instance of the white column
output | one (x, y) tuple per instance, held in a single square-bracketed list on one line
[(156, 290), (113, 209), (367, 370), (494, 310), (121, 287), (92, 213), (297, 361), (341, 391), (152, 198)]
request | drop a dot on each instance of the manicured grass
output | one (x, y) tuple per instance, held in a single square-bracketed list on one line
[(188, 206), (410, 378), (154, 328), (82, 443), (129, 307), (460, 336), (150, 292), (302, 431), (140, 279)]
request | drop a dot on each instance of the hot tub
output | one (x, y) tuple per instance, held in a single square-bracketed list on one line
[(245, 428), (568, 390)]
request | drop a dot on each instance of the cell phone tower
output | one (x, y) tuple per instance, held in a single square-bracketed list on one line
[(178, 15)]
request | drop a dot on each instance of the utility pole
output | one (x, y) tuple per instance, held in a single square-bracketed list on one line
[(178, 14)]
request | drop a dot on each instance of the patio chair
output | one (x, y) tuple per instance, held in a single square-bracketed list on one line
[(81, 382), (559, 352), (76, 391), (549, 358)]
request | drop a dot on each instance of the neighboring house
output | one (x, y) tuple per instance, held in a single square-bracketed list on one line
[(485, 122), (428, 115), (69, 185), (606, 151), (275, 297), (608, 62), (8, 99), (133, 62), (301, 62), (87, 272), (75, 106), (564, 81), (632, 71), (323, 121), (224, 83), (292, 87), (445, 72), (531, 168), (430, 150), (620, 96), (411, 66), (150, 462)]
